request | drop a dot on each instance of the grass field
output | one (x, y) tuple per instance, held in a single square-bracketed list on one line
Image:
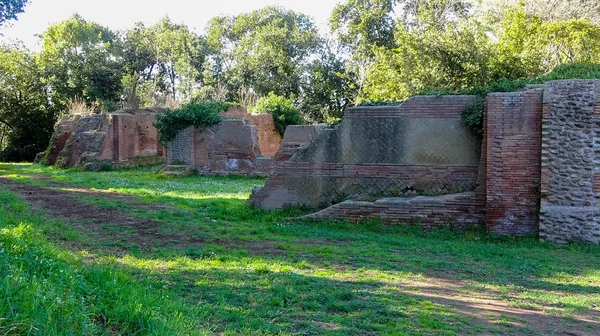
[(131, 252)]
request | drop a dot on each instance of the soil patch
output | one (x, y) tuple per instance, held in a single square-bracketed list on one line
[(115, 225), (98, 222)]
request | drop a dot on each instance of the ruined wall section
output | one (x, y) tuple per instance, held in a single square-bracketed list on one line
[(268, 137), (462, 210), (116, 138), (297, 137), (420, 147), (512, 154), (570, 179), (232, 147)]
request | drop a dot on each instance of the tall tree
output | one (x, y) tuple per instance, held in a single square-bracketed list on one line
[(264, 50), (26, 115), (364, 26), (82, 59), (165, 58), (10, 8), (327, 89), (549, 10), (451, 59)]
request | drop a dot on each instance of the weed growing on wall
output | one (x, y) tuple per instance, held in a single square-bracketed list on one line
[(473, 116), (201, 114)]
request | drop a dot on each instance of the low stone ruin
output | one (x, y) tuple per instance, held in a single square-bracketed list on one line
[(122, 138), (268, 137), (242, 144), (421, 147), (232, 146), (537, 172)]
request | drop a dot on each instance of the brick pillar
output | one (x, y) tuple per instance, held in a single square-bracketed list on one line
[(513, 141)]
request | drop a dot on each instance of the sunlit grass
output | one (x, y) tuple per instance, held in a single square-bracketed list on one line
[(258, 272)]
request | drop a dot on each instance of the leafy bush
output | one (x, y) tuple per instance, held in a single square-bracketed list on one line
[(201, 114), (473, 115), (283, 111)]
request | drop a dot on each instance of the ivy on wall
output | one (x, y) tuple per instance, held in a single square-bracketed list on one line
[(201, 115)]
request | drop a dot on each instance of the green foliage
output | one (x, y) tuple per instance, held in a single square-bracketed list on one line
[(163, 59), (455, 58), (264, 50), (452, 55), (81, 60), (473, 116), (327, 90), (363, 24), (201, 115), (283, 111), (26, 115), (10, 8)]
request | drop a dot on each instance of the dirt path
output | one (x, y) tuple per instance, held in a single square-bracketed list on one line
[(97, 222), (63, 201), (485, 307)]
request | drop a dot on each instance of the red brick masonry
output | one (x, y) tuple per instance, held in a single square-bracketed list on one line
[(513, 147), (461, 210), (421, 145)]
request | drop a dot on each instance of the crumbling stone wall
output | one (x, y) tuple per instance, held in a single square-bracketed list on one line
[(420, 147), (268, 137), (512, 157), (297, 137), (570, 184), (232, 147), (113, 138), (462, 210)]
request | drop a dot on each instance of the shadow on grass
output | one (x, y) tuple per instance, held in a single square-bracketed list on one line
[(440, 253), (271, 298), (235, 233)]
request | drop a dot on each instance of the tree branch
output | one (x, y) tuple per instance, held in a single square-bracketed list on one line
[(7, 124)]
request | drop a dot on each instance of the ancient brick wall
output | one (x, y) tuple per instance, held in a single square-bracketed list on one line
[(114, 138), (297, 137), (420, 147), (268, 137), (570, 179), (232, 147), (462, 210), (513, 147)]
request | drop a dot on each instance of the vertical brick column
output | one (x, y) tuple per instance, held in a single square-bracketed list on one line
[(513, 141), (570, 208)]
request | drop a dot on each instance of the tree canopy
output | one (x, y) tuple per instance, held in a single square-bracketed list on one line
[(264, 50), (377, 50), (10, 8)]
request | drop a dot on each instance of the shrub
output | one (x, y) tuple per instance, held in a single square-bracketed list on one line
[(473, 115), (283, 111), (201, 114)]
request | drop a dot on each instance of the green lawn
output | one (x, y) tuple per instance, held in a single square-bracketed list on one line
[(148, 255)]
